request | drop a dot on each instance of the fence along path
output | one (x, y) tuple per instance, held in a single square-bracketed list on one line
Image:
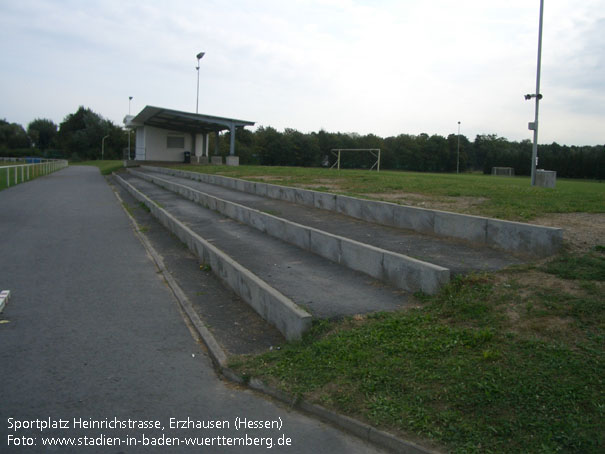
[(19, 173)]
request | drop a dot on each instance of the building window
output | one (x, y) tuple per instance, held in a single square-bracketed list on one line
[(175, 142)]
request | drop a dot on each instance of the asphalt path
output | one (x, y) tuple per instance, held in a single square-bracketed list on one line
[(93, 348)]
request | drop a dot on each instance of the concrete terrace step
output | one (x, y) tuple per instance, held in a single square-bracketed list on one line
[(516, 237), (283, 283), (393, 268), (234, 324), (458, 256)]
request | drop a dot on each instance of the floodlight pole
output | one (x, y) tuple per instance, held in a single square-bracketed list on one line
[(534, 152), (458, 151), (197, 99), (129, 99)]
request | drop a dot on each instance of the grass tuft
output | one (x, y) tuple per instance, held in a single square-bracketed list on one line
[(144, 207), (590, 266)]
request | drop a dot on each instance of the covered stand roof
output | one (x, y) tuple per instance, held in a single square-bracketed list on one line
[(176, 120)]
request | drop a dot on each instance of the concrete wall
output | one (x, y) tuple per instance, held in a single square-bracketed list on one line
[(513, 236), (546, 178), (155, 145), (399, 270), (276, 308)]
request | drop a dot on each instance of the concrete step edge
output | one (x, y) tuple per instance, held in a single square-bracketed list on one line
[(508, 235), (279, 310), (402, 271)]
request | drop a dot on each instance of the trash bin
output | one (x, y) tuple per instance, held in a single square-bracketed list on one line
[(187, 157)]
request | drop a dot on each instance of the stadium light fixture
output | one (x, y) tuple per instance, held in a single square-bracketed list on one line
[(458, 152), (197, 99)]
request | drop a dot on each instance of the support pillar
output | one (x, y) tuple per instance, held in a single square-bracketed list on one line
[(200, 148), (193, 151), (232, 140), (232, 160)]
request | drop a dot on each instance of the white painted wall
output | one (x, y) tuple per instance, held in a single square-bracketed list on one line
[(155, 148), (140, 144)]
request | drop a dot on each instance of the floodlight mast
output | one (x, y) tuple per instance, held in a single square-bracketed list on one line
[(197, 99), (458, 151), (129, 131), (537, 96)]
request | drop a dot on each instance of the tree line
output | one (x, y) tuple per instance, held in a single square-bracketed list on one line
[(80, 134), (422, 153), (77, 138)]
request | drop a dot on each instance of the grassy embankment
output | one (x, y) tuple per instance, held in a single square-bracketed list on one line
[(495, 363)]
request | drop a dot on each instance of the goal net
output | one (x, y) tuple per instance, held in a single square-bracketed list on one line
[(374, 152)]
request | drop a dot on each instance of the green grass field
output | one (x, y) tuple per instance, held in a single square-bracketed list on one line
[(500, 197)]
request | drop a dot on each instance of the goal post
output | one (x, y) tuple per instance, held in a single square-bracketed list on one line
[(373, 151)]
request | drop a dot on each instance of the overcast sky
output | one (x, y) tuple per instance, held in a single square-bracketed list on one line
[(383, 66)]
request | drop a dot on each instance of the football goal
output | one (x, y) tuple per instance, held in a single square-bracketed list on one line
[(373, 151), (503, 171)]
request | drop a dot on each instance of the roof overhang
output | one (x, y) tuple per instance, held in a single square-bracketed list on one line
[(176, 120)]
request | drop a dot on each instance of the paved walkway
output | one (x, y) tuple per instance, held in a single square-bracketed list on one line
[(92, 334)]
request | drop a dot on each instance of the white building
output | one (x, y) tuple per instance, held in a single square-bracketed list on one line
[(166, 135)]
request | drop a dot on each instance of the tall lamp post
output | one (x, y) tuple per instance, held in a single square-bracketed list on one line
[(103, 147), (129, 99), (458, 151), (197, 99), (538, 96)]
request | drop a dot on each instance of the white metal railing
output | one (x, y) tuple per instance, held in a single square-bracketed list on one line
[(29, 171)]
